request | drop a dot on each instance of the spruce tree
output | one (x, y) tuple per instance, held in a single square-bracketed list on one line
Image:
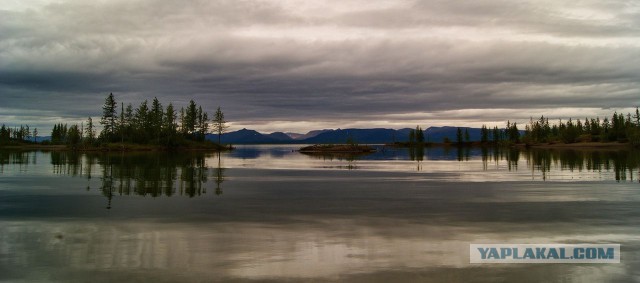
[(109, 116), (419, 135), (90, 132), (169, 124), (156, 117), (219, 124), (467, 138), (484, 134)]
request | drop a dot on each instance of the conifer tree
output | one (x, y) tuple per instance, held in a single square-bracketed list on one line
[(484, 134), (156, 116), (169, 127), (219, 124), (459, 136), (90, 132), (108, 121), (419, 135)]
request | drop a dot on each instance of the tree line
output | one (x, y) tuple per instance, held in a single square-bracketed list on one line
[(510, 134), (23, 133), (146, 124), (153, 124), (618, 128)]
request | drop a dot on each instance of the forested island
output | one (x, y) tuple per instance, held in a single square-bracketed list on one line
[(147, 127)]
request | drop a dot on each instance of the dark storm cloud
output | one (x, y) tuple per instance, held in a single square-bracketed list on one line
[(343, 62)]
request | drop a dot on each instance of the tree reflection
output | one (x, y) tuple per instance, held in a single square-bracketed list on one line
[(143, 174), (622, 162), (219, 170), (66, 163), (20, 158), (416, 153)]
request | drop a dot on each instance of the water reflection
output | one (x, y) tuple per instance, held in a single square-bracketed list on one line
[(166, 174), (350, 158), (154, 174), (314, 220), (143, 174), (20, 158), (622, 162)]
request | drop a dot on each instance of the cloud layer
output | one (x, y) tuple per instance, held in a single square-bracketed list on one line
[(286, 65)]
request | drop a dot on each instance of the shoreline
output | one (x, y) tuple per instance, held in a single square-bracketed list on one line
[(116, 147)]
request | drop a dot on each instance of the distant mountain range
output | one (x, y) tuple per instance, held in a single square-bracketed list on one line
[(369, 136)]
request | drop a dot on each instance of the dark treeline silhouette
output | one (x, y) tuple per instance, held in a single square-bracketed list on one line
[(416, 136), (620, 128), (17, 135), (153, 124), (146, 124)]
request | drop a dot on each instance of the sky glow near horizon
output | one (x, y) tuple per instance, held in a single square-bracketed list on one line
[(299, 66)]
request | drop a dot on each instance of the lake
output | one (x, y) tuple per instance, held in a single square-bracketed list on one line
[(268, 213)]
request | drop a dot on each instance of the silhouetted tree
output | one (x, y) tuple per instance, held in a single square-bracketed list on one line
[(190, 120), (169, 127), (484, 134), (419, 135), (5, 134), (156, 117), (142, 122), (513, 134), (496, 135), (459, 136), (73, 136), (219, 124), (108, 121), (90, 132)]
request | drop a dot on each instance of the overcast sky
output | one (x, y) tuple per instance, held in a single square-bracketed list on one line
[(303, 65)]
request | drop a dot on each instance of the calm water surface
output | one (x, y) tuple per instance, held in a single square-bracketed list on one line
[(268, 213)]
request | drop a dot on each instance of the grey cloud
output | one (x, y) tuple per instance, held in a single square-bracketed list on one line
[(74, 52), (523, 16)]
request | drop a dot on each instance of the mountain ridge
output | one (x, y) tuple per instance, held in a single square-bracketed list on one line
[(367, 136)]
